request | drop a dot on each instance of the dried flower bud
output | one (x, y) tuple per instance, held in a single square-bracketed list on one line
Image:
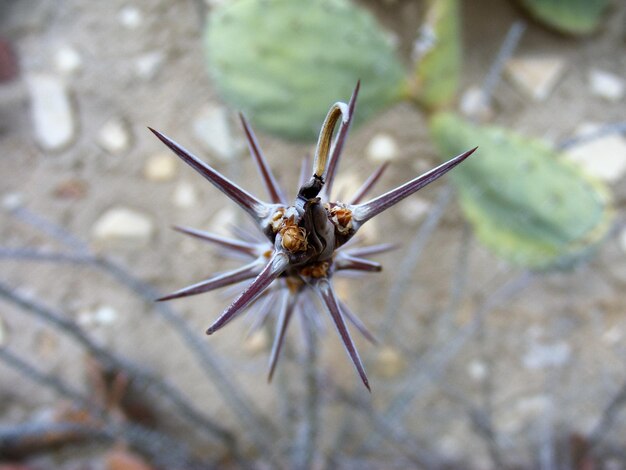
[(342, 218), (277, 220), (293, 238), (316, 271)]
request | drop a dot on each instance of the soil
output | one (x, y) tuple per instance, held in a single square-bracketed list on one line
[(570, 323)]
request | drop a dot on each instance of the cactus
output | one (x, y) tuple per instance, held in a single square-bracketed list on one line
[(283, 62), (525, 202), (568, 16), (438, 54)]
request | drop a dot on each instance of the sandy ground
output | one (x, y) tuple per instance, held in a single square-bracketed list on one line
[(576, 319)]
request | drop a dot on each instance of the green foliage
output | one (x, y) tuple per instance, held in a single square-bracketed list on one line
[(284, 62), (568, 16), (439, 66), (524, 202)]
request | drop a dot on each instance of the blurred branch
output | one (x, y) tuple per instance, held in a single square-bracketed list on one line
[(607, 418), (431, 368), (404, 274), (411, 448), (306, 445), (602, 131), (505, 52), (160, 448), (110, 360), (20, 440), (261, 429)]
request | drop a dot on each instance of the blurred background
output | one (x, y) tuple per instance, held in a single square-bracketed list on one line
[(501, 317)]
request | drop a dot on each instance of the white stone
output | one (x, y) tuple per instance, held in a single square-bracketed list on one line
[(211, 128), (346, 186), (535, 76), (53, 116), (534, 405), (160, 167), (613, 335), (541, 356), (256, 343), (121, 223), (223, 221), (114, 136), (130, 17), (477, 370), (606, 85), (622, 240), (101, 316), (473, 105), (148, 65), (414, 209), (389, 363), (67, 60), (12, 201), (3, 332), (185, 195), (604, 157), (382, 148)]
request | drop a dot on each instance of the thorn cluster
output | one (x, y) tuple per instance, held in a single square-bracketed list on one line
[(305, 242)]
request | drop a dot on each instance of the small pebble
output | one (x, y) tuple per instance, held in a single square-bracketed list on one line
[(114, 136), (71, 189), (389, 363), (211, 128), (3, 332), (148, 65), (12, 201), (473, 105), (477, 370), (542, 356), (67, 60), (604, 157), (382, 148), (160, 167), (53, 115), (534, 405), (47, 343), (256, 343), (223, 221), (102, 316), (185, 196), (414, 209), (607, 85), (121, 223), (535, 76), (130, 17), (119, 458), (622, 240), (613, 335), (346, 186)]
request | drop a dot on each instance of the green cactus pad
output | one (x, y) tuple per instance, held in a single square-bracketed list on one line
[(284, 62), (525, 202), (568, 16), (438, 69)]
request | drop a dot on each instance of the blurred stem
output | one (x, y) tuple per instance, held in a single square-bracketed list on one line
[(607, 418), (512, 39), (306, 446), (108, 359), (410, 261), (161, 449), (431, 368), (260, 428)]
